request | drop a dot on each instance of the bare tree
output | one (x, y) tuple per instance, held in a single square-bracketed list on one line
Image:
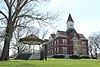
[(94, 44), (15, 45), (91, 46), (77, 50), (20, 47), (21, 13), (95, 51), (96, 39)]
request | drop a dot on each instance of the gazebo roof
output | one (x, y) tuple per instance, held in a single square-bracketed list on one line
[(31, 40)]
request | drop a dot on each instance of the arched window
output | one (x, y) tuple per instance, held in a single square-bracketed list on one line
[(75, 41)]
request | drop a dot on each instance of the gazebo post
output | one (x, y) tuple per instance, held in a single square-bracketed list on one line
[(45, 54), (41, 54), (33, 49)]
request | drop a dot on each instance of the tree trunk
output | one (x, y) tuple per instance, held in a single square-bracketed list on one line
[(8, 37), (91, 55), (96, 53), (41, 55), (5, 53)]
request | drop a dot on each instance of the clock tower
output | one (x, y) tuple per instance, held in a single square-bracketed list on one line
[(70, 22)]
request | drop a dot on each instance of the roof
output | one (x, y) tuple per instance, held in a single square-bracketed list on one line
[(70, 18), (66, 33), (31, 39), (31, 36), (69, 31), (46, 40), (62, 33), (82, 37)]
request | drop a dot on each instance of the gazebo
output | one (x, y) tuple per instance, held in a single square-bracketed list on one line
[(34, 40), (31, 40)]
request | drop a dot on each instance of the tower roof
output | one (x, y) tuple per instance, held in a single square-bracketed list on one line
[(70, 18), (69, 31)]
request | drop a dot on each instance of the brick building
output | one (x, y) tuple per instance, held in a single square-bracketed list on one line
[(67, 42)]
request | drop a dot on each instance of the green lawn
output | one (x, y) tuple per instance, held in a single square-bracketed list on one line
[(51, 63)]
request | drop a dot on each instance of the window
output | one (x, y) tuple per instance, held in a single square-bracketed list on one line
[(57, 49), (52, 51), (71, 25), (75, 41), (64, 49), (84, 51), (83, 43), (51, 44), (64, 41), (48, 51), (57, 41)]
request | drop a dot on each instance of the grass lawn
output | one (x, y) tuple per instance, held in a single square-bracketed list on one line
[(51, 63)]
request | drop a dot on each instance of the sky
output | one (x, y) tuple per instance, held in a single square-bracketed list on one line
[(85, 13)]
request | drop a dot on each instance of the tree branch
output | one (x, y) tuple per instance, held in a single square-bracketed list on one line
[(4, 15)]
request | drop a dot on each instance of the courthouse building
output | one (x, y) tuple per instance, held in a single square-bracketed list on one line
[(67, 42)]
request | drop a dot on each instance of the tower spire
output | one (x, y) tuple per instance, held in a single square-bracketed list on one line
[(70, 18), (70, 22)]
